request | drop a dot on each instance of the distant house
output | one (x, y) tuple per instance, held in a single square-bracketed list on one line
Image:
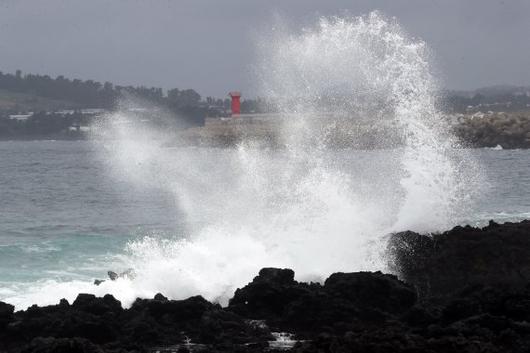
[(79, 128), (87, 111), (20, 117), (65, 112), (93, 111)]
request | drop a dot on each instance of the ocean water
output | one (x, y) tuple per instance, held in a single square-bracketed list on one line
[(67, 217)]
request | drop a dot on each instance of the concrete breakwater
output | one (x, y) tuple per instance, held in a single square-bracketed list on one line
[(508, 130)]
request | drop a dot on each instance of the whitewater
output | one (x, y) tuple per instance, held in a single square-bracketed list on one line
[(304, 205)]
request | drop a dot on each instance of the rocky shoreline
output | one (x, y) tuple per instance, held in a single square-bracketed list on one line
[(465, 290)]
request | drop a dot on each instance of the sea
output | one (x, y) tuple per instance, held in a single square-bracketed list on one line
[(68, 215)]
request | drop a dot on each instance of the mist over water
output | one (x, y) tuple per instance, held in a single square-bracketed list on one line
[(303, 206)]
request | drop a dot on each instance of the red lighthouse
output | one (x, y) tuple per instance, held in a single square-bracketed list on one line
[(236, 104)]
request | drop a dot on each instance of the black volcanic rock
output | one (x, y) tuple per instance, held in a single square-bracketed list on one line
[(372, 289), (442, 263), (6, 314), (276, 275), (345, 298), (160, 297), (166, 311), (472, 283), (164, 321), (91, 324), (64, 321), (91, 304), (61, 345), (267, 296)]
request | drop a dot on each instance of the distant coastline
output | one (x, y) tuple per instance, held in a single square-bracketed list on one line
[(479, 130), (38, 107)]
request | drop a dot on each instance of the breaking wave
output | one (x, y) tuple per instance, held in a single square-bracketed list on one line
[(308, 205)]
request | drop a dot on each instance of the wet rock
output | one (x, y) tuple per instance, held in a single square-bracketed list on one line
[(112, 275), (195, 319), (267, 296), (61, 345), (443, 263), (317, 312), (6, 314), (344, 299), (420, 316), (223, 326), (129, 273), (276, 275), (348, 299), (371, 289), (160, 297), (98, 306), (175, 310)]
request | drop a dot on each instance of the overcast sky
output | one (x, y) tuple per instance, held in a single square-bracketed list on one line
[(208, 45)]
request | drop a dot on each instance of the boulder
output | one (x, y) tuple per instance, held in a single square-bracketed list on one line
[(371, 290), (98, 306), (443, 263), (267, 296), (6, 314), (163, 310)]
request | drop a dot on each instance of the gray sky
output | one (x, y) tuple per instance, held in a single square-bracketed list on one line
[(208, 44)]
